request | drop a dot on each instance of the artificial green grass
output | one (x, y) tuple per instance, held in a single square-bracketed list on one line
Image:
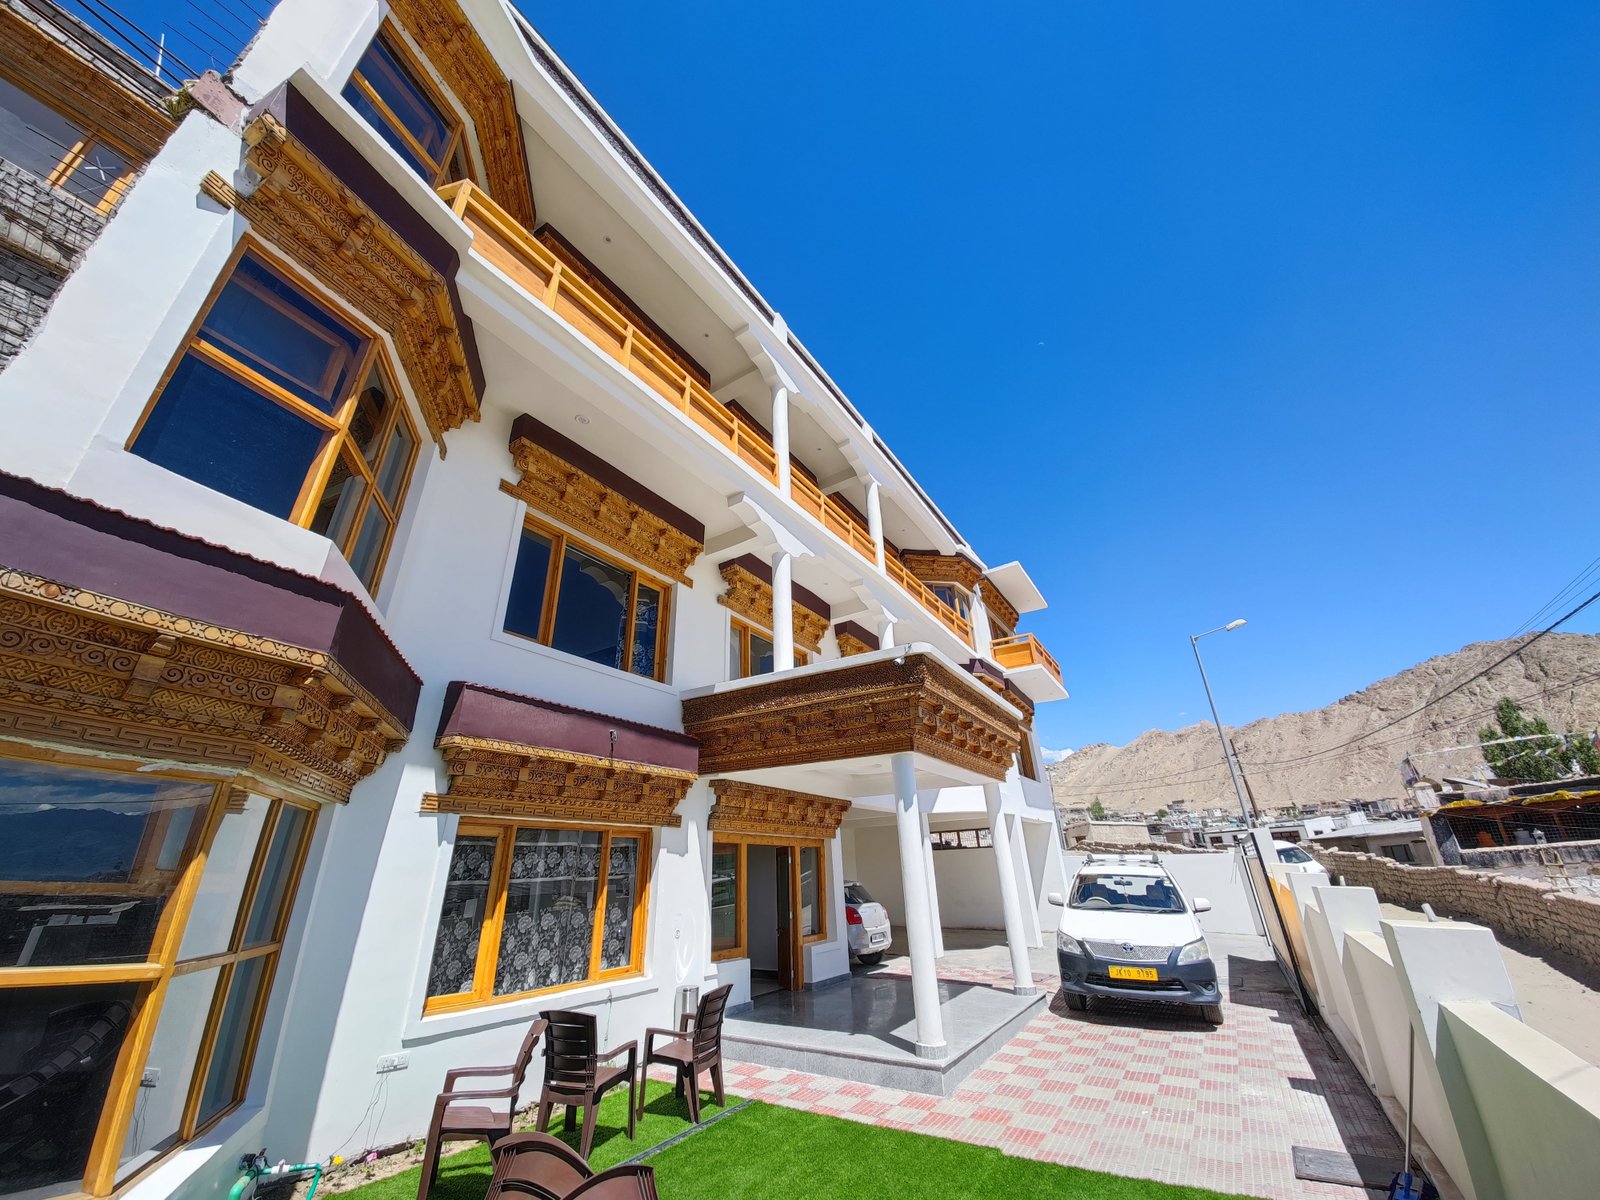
[(465, 1176), (764, 1151)]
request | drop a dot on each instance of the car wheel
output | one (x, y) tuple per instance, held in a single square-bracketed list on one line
[(1212, 1013), (1076, 1002), (871, 960)]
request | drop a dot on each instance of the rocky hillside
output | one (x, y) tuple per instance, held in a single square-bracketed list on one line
[(1557, 678)]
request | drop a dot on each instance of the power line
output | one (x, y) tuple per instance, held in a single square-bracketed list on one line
[(1573, 587)]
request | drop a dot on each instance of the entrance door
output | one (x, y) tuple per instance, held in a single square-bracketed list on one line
[(791, 965)]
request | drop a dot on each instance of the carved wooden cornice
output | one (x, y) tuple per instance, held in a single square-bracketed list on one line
[(301, 208), (552, 485), (453, 48), (873, 708), (491, 778), (751, 808), (999, 606), (88, 670), (850, 645), (87, 92), (751, 598), (933, 567)]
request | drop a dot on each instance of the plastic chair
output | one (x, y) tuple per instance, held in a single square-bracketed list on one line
[(574, 1076), (695, 1046)]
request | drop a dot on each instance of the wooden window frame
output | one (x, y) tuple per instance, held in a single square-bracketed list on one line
[(744, 841), (334, 427), (490, 932), (959, 592), (559, 540), (744, 628), (393, 40), (73, 156), (741, 909), (154, 976)]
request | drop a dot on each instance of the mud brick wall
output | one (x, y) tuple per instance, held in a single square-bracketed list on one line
[(1530, 910), (43, 233)]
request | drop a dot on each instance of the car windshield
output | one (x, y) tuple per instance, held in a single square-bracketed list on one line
[(1126, 893), (1293, 854), (854, 893)]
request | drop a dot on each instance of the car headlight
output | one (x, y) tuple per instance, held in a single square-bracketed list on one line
[(1068, 944), (1196, 951)]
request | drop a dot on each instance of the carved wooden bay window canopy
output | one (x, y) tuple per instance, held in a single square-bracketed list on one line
[(761, 811), (563, 480), (519, 757), (853, 639), (749, 595), (880, 707), (122, 637)]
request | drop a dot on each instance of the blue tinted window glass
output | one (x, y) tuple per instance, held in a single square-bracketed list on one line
[(380, 124), (272, 327), (646, 619), (407, 100), (591, 608), (214, 430), (528, 582)]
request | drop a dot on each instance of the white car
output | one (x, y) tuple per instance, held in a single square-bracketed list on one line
[(1297, 860), (1128, 932), (868, 923)]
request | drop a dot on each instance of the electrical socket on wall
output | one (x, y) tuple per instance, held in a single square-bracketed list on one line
[(393, 1062), (151, 1077)]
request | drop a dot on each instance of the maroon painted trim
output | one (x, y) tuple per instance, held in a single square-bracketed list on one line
[(472, 710), (803, 596), (860, 633), (626, 486), (79, 544)]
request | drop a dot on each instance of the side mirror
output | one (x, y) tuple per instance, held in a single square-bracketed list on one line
[(1201, 905), (1055, 898)]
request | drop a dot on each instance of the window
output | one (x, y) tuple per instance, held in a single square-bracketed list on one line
[(727, 895), (750, 651), (44, 143), (280, 404), (569, 597), (956, 597), (961, 839), (530, 909), (388, 89), (811, 922), (108, 883)]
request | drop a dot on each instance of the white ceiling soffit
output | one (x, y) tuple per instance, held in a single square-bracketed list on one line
[(1016, 586)]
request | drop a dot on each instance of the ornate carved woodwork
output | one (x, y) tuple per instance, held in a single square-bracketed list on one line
[(87, 91), (552, 485), (301, 208), (849, 644), (755, 809), (998, 606), (873, 708), (751, 598), (933, 567), (453, 48), (89, 670), (490, 778)]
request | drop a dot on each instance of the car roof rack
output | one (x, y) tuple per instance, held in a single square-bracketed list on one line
[(1148, 859)]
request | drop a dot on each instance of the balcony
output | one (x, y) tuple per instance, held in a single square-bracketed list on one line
[(500, 240), (1030, 666)]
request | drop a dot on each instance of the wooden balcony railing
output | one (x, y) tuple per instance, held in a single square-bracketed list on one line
[(1024, 650), (502, 241)]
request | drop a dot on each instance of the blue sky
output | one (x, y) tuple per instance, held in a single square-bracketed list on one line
[(1203, 311)]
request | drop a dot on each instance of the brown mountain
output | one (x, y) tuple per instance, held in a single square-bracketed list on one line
[(1557, 677)]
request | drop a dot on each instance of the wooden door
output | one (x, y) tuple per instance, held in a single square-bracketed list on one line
[(791, 966)]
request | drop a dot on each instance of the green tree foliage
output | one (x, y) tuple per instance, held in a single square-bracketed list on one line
[(1547, 757), (1097, 811), (1161, 814)]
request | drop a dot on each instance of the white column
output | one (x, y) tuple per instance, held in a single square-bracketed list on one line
[(982, 638), (933, 888), (780, 436), (1010, 904), (1028, 897), (782, 610), (919, 932), (886, 630), (875, 520)]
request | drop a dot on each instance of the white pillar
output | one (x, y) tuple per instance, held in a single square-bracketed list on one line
[(982, 637), (782, 610), (919, 933), (780, 436), (875, 520), (1010, 904), (1028, 897), (933, 888)]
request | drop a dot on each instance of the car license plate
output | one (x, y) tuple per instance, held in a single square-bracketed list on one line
[(879, 939), (1149, 973)]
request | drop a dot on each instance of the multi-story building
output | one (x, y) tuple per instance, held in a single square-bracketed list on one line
[(435, 586)]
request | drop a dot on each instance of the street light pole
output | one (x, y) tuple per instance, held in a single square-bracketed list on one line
[(1227, 752)]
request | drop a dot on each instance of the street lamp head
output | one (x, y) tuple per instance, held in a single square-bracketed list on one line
[(1232, 625)]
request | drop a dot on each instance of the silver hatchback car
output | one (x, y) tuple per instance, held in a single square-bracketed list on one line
[(868, 923)]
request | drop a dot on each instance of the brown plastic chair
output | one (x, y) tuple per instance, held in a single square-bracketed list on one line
[(695, 1046), (455, 1120), (574, 1077), (540, 1166)]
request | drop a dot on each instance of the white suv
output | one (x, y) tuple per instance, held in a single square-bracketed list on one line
[(1127, 931)]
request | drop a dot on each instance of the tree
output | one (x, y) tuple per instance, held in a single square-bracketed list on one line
[(1161, 814), (1546, 757), (1097, 811)]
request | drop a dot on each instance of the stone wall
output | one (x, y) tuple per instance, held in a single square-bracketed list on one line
[(43, 233), (1526, 909)]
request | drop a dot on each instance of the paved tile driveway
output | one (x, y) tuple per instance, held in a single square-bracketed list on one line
[(1136, 1091)]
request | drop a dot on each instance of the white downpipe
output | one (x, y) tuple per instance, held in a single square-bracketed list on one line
[(1010, 902), (919, 933)]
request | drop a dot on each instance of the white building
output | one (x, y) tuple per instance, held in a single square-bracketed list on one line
[(328, 758)]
